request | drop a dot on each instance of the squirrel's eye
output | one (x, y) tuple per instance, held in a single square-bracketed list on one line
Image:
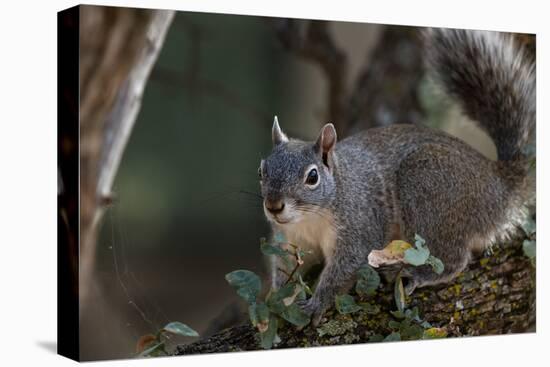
[(312, 177)]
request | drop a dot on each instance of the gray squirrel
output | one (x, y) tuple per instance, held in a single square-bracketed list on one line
[(344, 199)]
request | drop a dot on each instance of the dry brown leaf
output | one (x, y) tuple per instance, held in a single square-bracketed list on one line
[(262, 326), (393, 253), (144, 342)]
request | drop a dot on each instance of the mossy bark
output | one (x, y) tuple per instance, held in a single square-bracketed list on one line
[(494, 295)]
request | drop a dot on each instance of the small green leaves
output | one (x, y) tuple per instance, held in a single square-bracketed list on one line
[(287, 301), (275, 300), (530, 244), (399, 293), (436, 264), (259, 315), (266, 314), (419, 241), (368, 281), (247, 283), (376, 338), (411, 314), (420, 255), (398, 251), (370, 308), (410, 331), (268, 336), (295, 315), (410, 326), (306, 289), (268, 249), (530, 248), (417, 256), (529, 227), (155, 345), (281, 302), (393, 337), (179, 328), (346, 304), (434, 333)]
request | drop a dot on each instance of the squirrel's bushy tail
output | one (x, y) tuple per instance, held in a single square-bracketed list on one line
[(493, 79)]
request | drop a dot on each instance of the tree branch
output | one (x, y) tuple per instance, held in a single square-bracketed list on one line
[(494, 295), (386, 91), (316, 45)]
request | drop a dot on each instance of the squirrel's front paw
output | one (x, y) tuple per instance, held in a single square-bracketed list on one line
[(313, 308)]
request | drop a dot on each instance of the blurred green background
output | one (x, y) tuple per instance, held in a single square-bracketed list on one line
[(182, 219)]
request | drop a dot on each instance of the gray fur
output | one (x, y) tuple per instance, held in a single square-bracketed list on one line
[(392, 182)]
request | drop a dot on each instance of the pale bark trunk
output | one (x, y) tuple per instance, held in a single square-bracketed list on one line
[(119, 47)]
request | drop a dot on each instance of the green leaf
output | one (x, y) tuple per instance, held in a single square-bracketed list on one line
[(434, 333), (413, 314), (247, 283), (529, 226), (268, 336), (276, 250), (396, 325), (295, 315), (399, 294), (411, 332), (305, 287), (180, 329), (152, 351), (259, 313), (368, 282), (376, 338), (419, 241), (398, 314), (417, 256), (287, 301), (346, 304), (252, 314), (436, 264), (269, 250), (275, 300), (426, 325), (248, 294), (370, 308), (530, 248), (393, 337)]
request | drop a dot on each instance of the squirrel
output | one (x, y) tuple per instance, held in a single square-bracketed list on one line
[(344, 199)]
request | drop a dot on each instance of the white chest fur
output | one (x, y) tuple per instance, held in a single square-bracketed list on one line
[(315, 232)]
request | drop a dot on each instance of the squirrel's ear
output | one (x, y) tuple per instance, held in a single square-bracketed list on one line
[(277, 134), (326, 142), (327, 139)]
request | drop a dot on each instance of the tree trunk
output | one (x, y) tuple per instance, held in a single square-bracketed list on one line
[(494, 295), (118, 47)]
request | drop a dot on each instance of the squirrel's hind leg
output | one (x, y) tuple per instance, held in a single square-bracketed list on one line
[(424, 275)]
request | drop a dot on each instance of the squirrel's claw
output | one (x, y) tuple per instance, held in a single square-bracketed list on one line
[(313, 309)]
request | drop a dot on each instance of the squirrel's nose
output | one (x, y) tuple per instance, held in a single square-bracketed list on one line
[(274, 206)]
